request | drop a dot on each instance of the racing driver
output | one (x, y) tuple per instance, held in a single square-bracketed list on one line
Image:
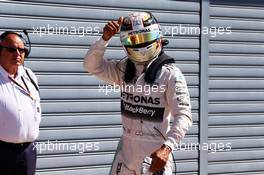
[(145, 114)]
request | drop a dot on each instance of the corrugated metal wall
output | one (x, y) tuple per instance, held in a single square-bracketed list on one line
[(74, 110), (76, 114), (236, 88)]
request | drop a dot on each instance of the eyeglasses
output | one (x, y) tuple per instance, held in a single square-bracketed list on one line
[(14, 49)]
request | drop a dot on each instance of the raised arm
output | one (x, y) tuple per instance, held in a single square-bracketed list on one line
[(94, 61)]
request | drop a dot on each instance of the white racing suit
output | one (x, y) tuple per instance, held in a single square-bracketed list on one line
[(146, 110)]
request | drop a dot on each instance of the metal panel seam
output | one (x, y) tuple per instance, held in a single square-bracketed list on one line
[(204, 55)]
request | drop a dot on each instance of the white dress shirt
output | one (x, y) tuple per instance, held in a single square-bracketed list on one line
[(20, 113)]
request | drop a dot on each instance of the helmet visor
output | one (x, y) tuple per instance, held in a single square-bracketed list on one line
[(140, 38), (143, 54)]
